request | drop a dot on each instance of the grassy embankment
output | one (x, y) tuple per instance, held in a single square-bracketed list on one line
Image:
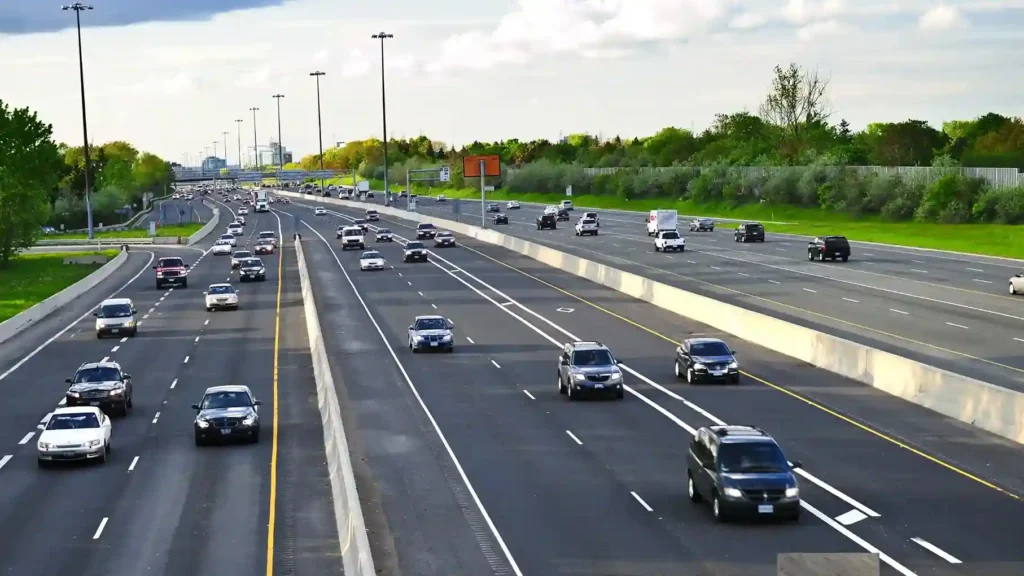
[(173, 230), (32, 278)]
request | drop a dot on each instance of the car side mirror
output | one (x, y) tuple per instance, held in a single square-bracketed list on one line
[(257, 403), (127, 376), (68, 380), (733, 352), (187, 266), (563, 361), (154, 267), (204, 293), (96, 314), (796, 464), (450, 323), (195, 406)]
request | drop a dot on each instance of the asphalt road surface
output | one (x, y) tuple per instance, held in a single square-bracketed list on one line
[(175, 209), (947, 310), (472, 463), (160, 505)]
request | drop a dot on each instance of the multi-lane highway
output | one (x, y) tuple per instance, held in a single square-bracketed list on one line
[(168, 212), (472, 463), (948, 310), (160, 505)]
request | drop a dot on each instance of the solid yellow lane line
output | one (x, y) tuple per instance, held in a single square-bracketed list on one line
[(273, 448)]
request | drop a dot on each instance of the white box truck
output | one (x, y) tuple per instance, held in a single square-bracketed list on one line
[(363, 187), (262, 201), (661, 221)]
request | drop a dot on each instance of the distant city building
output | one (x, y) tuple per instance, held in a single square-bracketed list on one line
[(213, 163), (266, 155)]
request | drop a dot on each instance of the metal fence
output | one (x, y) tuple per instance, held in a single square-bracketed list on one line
[(996, 177)]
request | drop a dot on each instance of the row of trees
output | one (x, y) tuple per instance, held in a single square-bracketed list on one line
[(42, 182)]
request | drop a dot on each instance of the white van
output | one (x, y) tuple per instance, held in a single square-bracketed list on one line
[(661, 221), (116, 317)]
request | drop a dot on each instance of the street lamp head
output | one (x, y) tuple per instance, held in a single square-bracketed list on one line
[(318, 73), (254, 109), (382, 35), (278, 95), (77, 6)]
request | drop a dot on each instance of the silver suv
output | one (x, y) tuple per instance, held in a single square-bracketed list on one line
[(588, 367), (431, 333)]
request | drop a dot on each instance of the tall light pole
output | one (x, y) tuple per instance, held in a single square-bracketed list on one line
[(225, 135), (319, 127), (255, 146), (238, 125), (280, 148), (78, 7), (384, 112), (215, 148)]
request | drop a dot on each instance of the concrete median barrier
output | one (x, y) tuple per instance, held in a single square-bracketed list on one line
[(348, 513), (14, 325), (205, 230), (992, 408)]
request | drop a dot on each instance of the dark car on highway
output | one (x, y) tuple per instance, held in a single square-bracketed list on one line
[(563, 214), (252, 269), (706, 360), (702, 224), (830, 247), (101, 384), (742, 471), (500, 218), (425, 230), (493, 208), (749, 232), (545, 221), (227, 413)]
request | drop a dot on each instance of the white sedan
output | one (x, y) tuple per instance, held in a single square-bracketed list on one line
[(222, 248), (79, 433), (319, 211), (240, 219), (230, 238), (371, 260), (243, 210), (221, 296), (235, 228)]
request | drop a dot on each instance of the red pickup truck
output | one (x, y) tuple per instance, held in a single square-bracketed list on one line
[(171, 271)]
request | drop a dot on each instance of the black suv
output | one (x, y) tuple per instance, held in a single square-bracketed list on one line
[(706, 359), (227, 413), (743, 472), (101, 384), (749, 232), (425, 231), (588, 367), (830, 247), (563, 214), (547, 221)]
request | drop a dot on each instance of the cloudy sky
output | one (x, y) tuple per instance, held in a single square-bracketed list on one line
[(172, 76)]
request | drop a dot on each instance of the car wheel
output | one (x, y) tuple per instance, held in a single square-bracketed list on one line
[(108, 447), (810, 256), (572, 396), (158, 286), (736, 379), (683, 249), (561, 386), (691, 489), (679, 373), (1013, 290), (689, 376), (255, 438), (103, 456), (620, 394), (845, 258), (656, 249), (184, 284), (717, 509), (131, 399)]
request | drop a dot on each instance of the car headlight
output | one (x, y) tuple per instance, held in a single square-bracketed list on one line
[(99, 324), (262, 270), (93, 443), (447, 337), (699, 366), (45, 446), (792, 492), (159, 274), (202, 423), (249, 420), (418, 337), (129, 323), (117, 391), (73, 394), (579, 376), (616, 377), (733, 365), (731, 492)]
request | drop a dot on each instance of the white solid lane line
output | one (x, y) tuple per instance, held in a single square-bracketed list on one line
[(852, 300), (573, 436), (975, 270), (641, 501), (527, 392), (957, 325), (99, 531), (982, 281), (496, 365), (899, 311), (918, 262), (809, 290), (851, 517), (174, 383), (857, 539), (47, 417), (27, 438), (936, 550), (916, 270), (5, 460), (833, 491), (134, 462)]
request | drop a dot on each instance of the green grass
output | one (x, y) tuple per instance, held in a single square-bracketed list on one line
[(175, 230), (32, 278)]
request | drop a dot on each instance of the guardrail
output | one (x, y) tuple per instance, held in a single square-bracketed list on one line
[(98, 242)]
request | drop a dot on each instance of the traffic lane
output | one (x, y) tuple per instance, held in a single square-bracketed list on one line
[(404, 478), (856, 462), (14, 350), (508, 447), (620, 445), (66, 506), (910, 327), (197, 489)]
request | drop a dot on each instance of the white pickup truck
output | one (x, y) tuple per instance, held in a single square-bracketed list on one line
[(669, 240), (586, 226)]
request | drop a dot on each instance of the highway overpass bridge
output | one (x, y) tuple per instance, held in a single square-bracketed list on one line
[(238, 175)]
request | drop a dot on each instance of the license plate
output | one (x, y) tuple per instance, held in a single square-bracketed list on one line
[(718, 372), (765, 509), (598, 386), (227, 431), (94, 403), (433, 343), (115, 330)]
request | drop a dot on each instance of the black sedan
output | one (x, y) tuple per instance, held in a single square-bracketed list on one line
[(499, 219), (706, 360), (444, 240), (563, 214), (227, 413), (252, 269)]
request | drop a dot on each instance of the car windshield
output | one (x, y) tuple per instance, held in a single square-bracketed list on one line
[(360, 221), (425, 227), (252, 263), (751, 457), (414, 245), (592, 358), (444, 234), (371, 212), (670, 235), (353, 232), (226, 237), (591, 215), (370, 255), (242, 254), (431, 324), (115, 311), (220, 290), (755, 227), (266, 235), (73, 421), (234, 225), (710, 349), (171, 263), (383, 231), (588, 222), (264, 242), (99, 374), (218, 400)]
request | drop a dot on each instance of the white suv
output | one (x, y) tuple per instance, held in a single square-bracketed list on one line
[(352, 237)]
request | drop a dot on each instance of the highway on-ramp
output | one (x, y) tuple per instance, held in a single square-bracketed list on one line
[(472, 463), (944, 309), (160, 505)]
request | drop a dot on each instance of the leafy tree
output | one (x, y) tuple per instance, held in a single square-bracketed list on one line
[(29, 169), (797, 100)]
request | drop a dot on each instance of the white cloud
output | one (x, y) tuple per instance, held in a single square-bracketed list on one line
[(941, 17), (748, 20), (804, 11), (357, 64), (819, 29)]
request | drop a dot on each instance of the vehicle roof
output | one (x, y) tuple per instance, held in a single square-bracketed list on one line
[(588, 345), (703, 340), (77, 410), (751, 224), (220, 284), (350, 227), (833, 237), (424, 225), (228, 388), (107, 364), (411, 242), (733, 434), (268, 232), (444, 233), (169, 258), (116, 301), (430, 317), (235, 223), (242, 252), (370, 253)]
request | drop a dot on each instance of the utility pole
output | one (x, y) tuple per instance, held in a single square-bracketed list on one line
[(319, 126), (255, 146), (238, 125), (78, 7), (384, 112), (280, 147)]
